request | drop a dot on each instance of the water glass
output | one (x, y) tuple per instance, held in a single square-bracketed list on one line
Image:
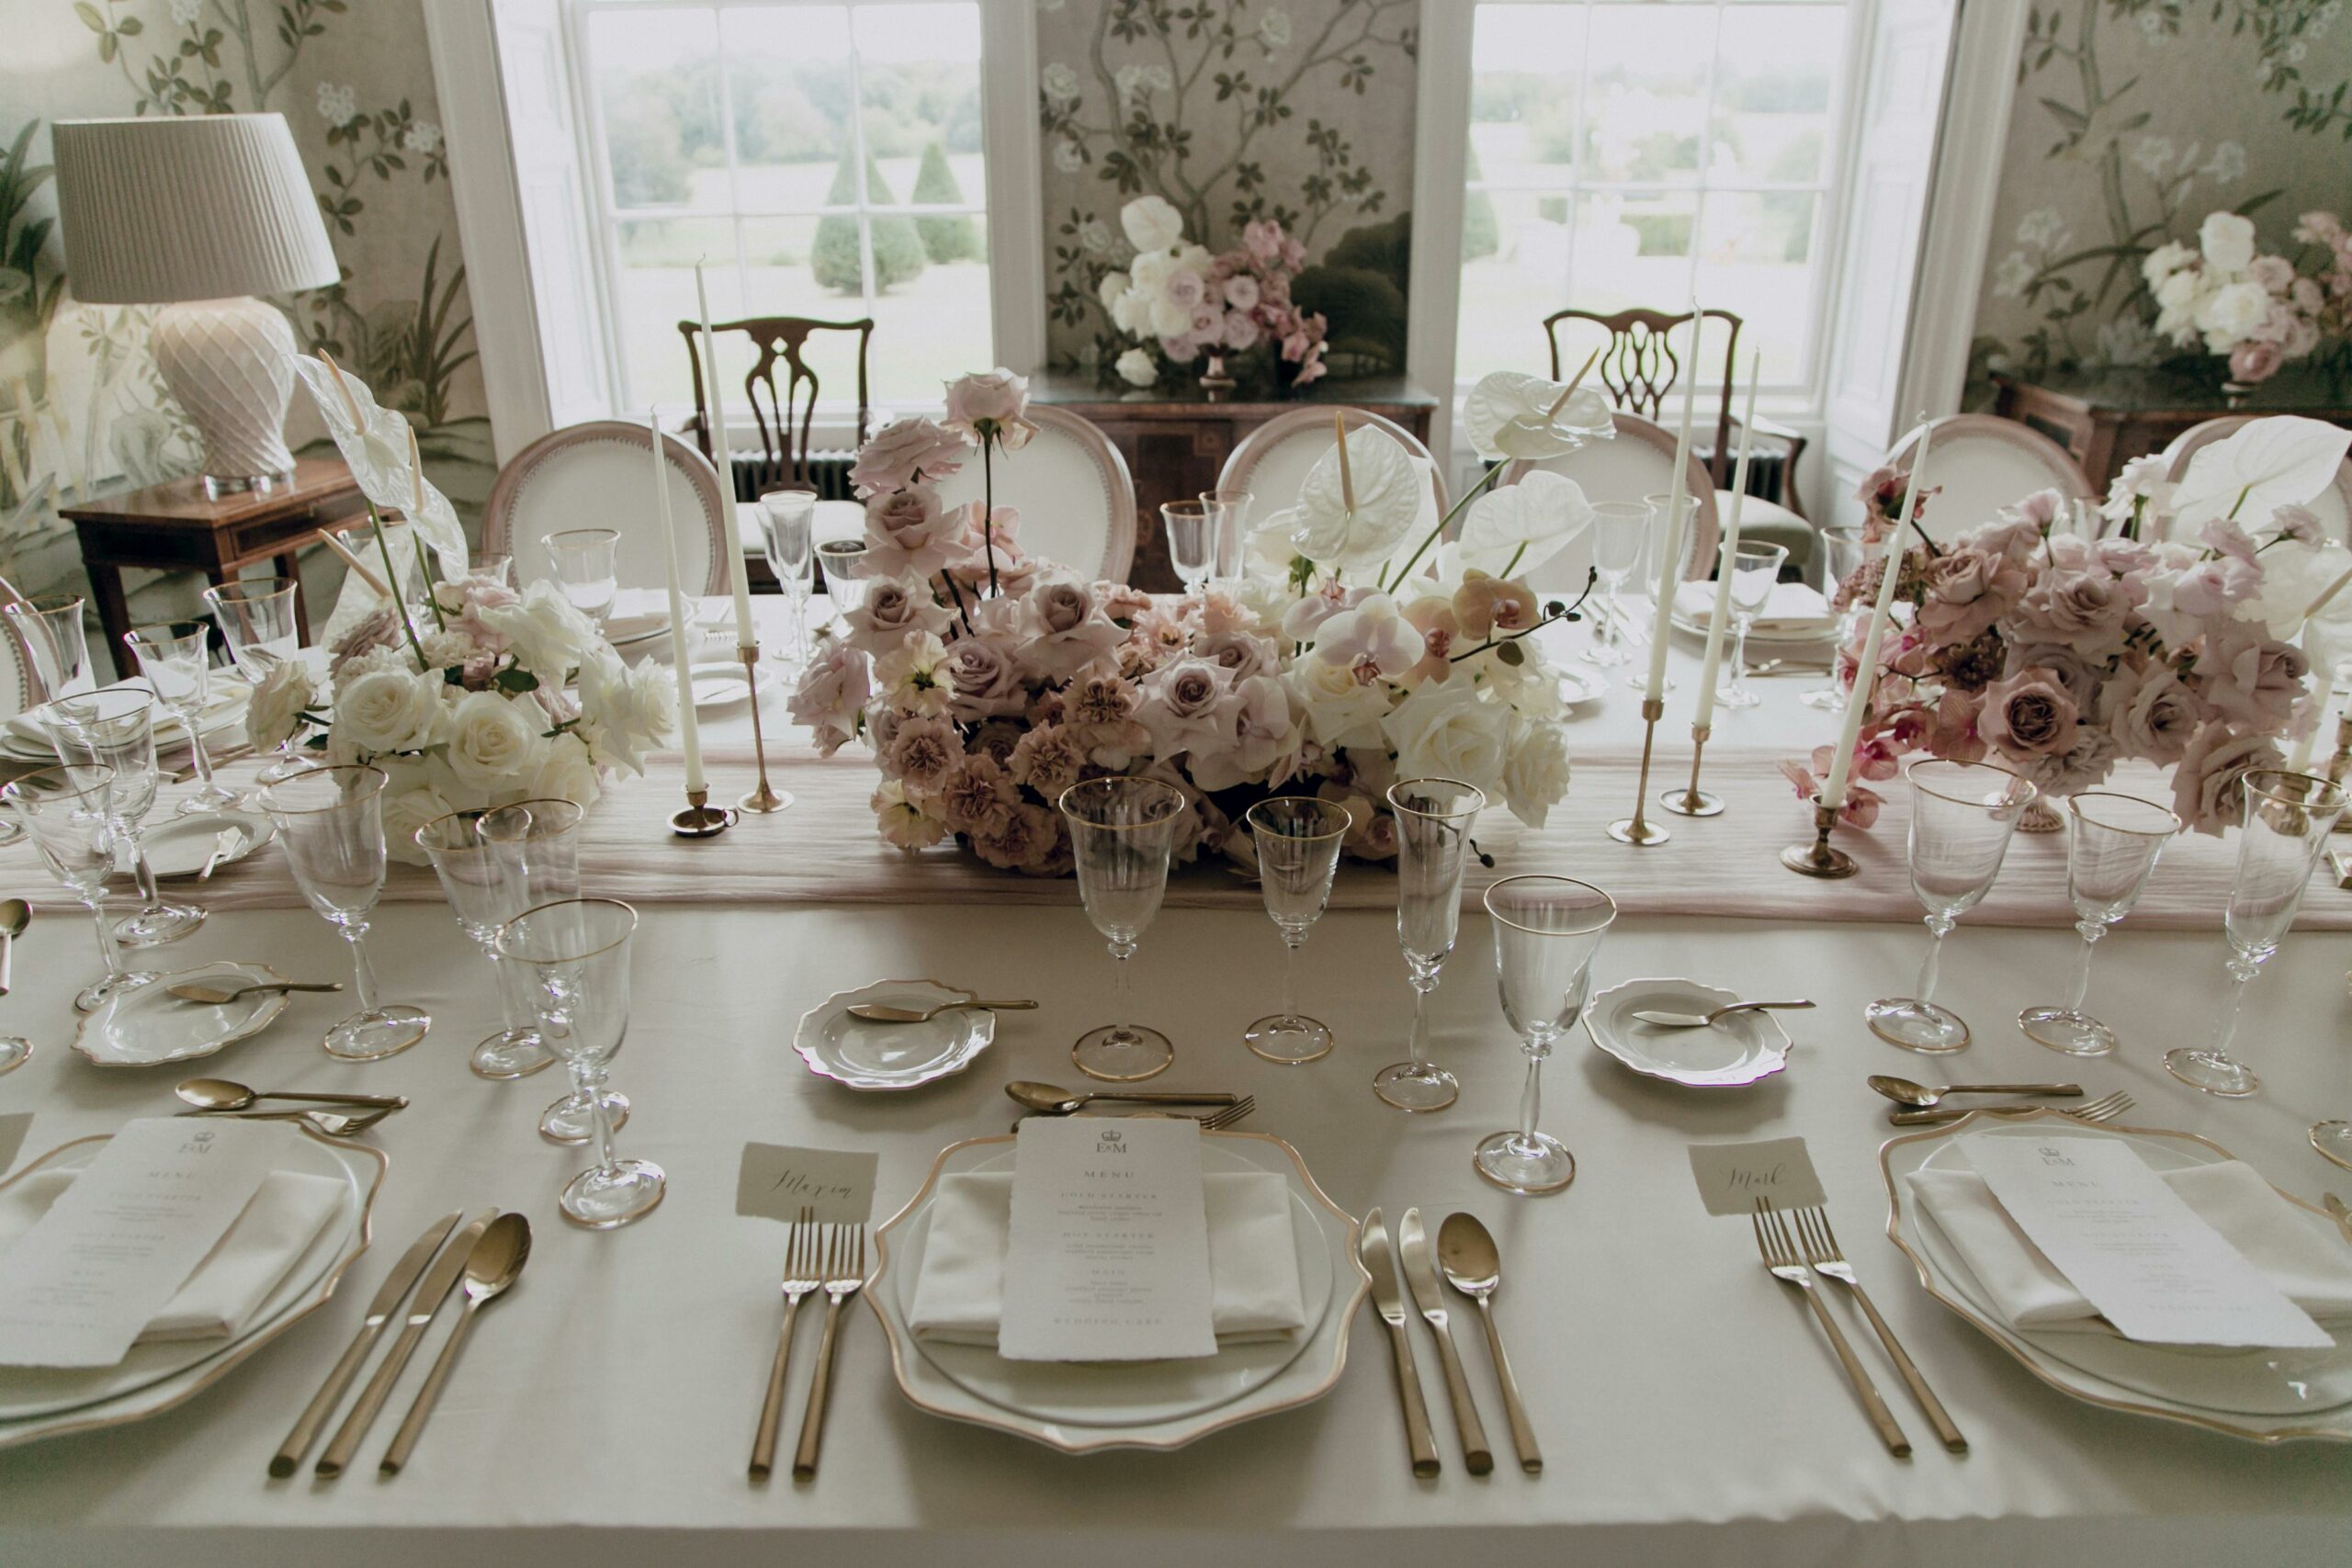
[(258, 621), (1755, 567), (1297, 839), (495, 567), (485, 860), (115, 727), (786, 519), (1620, 532), (66, 813), (575, 953), (49, 627), (1192, 542), (2112, 843), (1547, 931), (331, 823), (1841, 549), (1961, 816), (1121, 830), (176, 657), (842, 562), (2288, 819), (582, 560), (1229, 528), (1435, 818)]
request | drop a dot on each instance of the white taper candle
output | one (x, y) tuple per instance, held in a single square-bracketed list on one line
[(737, 583), (689, 734), (1706, 711), (1671, 548), (1858, 697)]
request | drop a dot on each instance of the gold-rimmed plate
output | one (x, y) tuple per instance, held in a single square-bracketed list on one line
[(863, 1055), (2263, 1395), (149, 1027)]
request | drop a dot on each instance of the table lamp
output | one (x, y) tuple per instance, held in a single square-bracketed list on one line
[(198, 214)]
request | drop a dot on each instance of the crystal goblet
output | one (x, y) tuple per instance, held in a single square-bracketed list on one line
[(1435, 818), (1547, 931), (1297, 839), (1962, 815), (2111, 847), (1120, 832)]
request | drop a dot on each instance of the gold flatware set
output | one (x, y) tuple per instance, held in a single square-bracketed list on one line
[(227, 1097), (828, 1258), (1469, 1262)]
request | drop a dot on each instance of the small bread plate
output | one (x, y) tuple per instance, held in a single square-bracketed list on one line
[(721, 685), (1579, 686), (149, 1027), (858, 1054), (179, 846), (2263, 1395), (1087, 1406), (1744, 1048)]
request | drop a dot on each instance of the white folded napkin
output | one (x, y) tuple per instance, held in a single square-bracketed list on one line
[(2308, 1264), (1792, 607), (285, 1217), (1253, 1261)]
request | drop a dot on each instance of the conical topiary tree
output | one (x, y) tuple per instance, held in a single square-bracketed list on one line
[(897, 250), (944, 238)]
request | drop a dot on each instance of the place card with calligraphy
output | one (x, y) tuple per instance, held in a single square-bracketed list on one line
[(775, 1182), (1732, 1176)]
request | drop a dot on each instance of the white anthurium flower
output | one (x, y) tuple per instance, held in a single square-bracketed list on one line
[(1543, 513), (1511, 415), (1392, 494), (376, 445), (2281, 461)]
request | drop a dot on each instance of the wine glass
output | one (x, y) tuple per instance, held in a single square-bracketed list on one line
[(2288, 819), (331, 823), (1121, 829), (1961, 816), (50, 627), (486, 861), (1192, 542), (1662, 527), (1229, 527), (65, 812), (1842, 549), (1298, 839), (575, 953), (115, 727), (1620, 529), (2111, 850), (842, 562), (1433, 821), (585, 569), (785, 518), (496, 568), (1755, 567), (258, 621), (1547, 931), (175, 657)]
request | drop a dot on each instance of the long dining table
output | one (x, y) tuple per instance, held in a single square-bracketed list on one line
[(1688, 1410)]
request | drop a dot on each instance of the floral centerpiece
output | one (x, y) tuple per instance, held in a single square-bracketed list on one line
[(989, 681), (1190, 303), (2181, 637), (2228, 298)]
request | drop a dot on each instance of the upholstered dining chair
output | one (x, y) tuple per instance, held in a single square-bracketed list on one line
[(2333, 505), (16, 675), (1272, 461), (1639, 463), (1071, 489), (784, 418), (596, 476), (1979, 463)]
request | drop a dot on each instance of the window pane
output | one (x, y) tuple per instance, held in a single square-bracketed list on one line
[(788, 75), (919, 77), (1775, 85), (1647, 100), (657, 89), (1523, 63), (1756, 261), (657, 292), (1515, 247), (1633, 250), (932, 328)]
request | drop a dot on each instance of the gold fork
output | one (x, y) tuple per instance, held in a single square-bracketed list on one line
[(845, 1272), (1215, 1120), (800, 1277), (1780, 1257), (2106, 1107), (1821, 1250)]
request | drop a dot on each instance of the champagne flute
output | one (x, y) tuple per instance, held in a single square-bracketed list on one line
[(1620, 531), (66, 813), (1433, 821), (331, 823), (1229, 527), (1842, 547), (787, 517), (115, 727), (1755, 567), (2288, 819), (1297, 839), (586, 568), (1962, 815), (485, 860), (1121, 829), (174, 656), (1192, 542), (1547, 931), (2111, 850), (50, 627)]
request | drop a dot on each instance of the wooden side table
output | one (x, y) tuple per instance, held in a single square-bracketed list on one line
[(173, 527), (2107, 417)]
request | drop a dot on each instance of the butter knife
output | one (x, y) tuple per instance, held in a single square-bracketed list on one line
[(437, 1284), (1421, 1277), (289, 1456), (1388, 1299)]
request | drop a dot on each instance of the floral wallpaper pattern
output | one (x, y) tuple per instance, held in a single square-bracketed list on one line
[(2134, 120), (82, 410), (1234, 111)]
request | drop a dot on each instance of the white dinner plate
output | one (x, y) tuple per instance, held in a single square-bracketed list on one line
[(721, 685), (2268, 1395), (1579, 686), (1764, 634), (1088, 1407), (148, 1027), (42, 1401), (26, 739), (1742, 1049), (179, 846), (858, 1054)]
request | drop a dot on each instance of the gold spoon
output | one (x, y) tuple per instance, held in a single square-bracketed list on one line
[(1903, 1091), (1052, 1099), (1704, 1020), (875, 1012), (227, 1094), (498, 1255), (215, 996), (1474, 1265), (15, 916)]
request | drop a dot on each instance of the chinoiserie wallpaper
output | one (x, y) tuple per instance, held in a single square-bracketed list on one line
[(81, 409), (1234, 111), (2134, 120)]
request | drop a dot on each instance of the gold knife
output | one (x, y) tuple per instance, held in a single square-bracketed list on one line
[(289, 1456), (1420, 1276), (1388, 1299), (437, 1284)]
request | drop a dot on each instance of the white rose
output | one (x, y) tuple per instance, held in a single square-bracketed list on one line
[(391, 710), (1111, 289), (1336, 709), (274, 714), (1151, 224), (2230, 311), (1449, 731), (543, 631), (2227, 240), (1169, 319), (566, 772), (626, 709), (2165, 260), (494, 741), (1137, 368), (404, 813), (1535, 772)]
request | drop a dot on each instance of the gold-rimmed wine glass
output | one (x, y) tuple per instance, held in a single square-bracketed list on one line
[(176, 657), (1297, 839), (1435, 818), (113, 726), (494, 865), (2112, 843), (1547, 931), (1962, 815), (1121, 830), (67, 814)]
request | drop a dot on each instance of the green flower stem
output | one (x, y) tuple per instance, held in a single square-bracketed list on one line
[(1485, 479), (392, 585), (425, 575), (988, 503)]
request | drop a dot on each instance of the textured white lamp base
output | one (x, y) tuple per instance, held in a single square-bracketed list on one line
[(230, 363)]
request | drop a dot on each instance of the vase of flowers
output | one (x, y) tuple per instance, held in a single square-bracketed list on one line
[(2224, 297), (1197, 307)]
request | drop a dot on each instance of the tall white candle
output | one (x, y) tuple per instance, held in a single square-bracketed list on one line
[(1730, 553), (737, 582), (1671, 548), (1858, 699), (689, 733)]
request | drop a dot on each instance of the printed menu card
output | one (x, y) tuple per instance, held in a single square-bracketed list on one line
[(77, 1288), (2147, 1261), (1109, 1254)]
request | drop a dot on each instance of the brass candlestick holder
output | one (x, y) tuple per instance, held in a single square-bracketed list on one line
[(1637, 829), (1692, 801), (1818, 859), (763, 799), (700, 820), (2340, 765)]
